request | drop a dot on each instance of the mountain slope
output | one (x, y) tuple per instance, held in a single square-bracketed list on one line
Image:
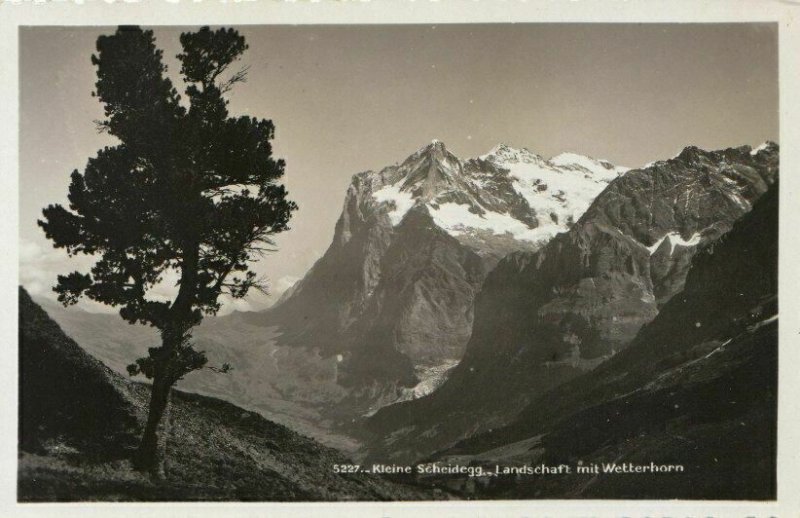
[(385, 314), (545, 317), (79, 422), (698, 387), (392, 298), (273, 380)]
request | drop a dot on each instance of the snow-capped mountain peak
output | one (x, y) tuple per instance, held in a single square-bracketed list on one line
[(763, 147), (503, 153), (602, 168), (509, 192), (436, 150)]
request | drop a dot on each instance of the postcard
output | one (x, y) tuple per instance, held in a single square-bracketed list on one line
[(462, 259)]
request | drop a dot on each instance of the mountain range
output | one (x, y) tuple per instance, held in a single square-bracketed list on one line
[(502, 310), (697, 387), (385, 314), (391, 301), (457, 293), (545, 317)]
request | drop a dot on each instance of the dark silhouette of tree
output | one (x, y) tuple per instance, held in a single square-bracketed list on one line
[(188, 191)]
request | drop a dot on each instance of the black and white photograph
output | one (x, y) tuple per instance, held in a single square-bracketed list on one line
[(441, 263)]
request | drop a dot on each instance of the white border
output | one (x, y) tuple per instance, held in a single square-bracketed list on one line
[(219, 12)]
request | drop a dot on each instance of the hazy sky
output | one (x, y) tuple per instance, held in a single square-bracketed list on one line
[(345, 99)]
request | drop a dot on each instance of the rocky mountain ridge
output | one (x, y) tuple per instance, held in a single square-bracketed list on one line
[(545, 317), (696, 387), (392, 297), (385, 314)]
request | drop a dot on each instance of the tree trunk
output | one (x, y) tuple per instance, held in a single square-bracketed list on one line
[(152, 450)]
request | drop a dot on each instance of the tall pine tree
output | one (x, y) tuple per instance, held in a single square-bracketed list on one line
[(189, 190)]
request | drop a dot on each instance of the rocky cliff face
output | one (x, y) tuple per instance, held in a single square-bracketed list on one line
[(392, 298), (544, 317), (697, 386)]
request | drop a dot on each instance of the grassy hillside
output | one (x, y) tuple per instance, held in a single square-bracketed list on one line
[(79, 423)]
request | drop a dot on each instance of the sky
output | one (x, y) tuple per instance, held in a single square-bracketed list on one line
[(347, 98)]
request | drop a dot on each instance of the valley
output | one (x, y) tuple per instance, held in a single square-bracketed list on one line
[(495, 310)]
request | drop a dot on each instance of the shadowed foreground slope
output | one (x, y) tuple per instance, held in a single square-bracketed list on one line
[(79, 422), (697, 387)]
